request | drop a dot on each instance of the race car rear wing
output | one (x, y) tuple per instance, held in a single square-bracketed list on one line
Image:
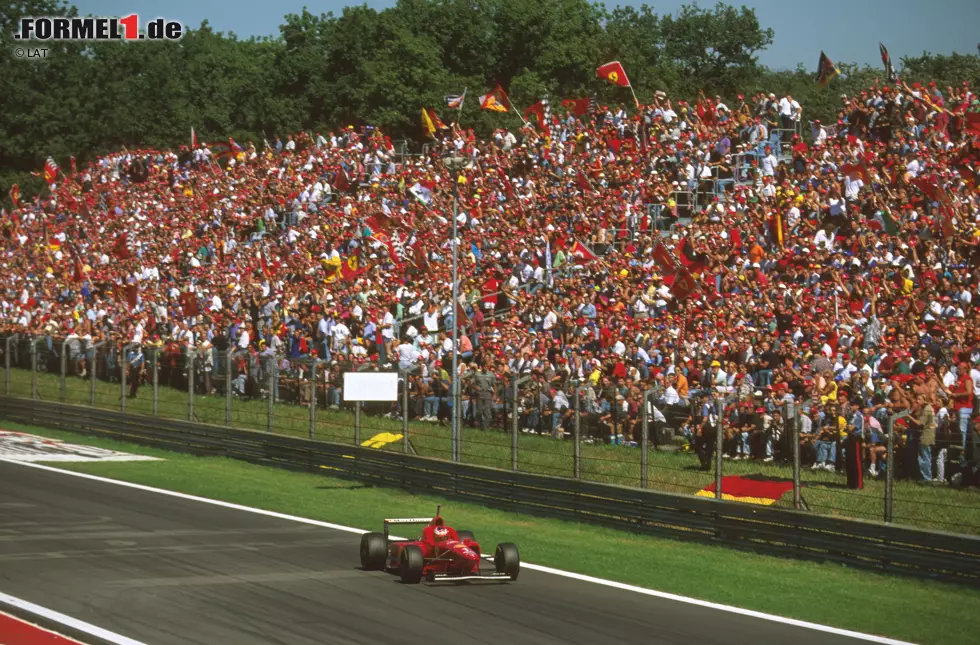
[(409, 520)]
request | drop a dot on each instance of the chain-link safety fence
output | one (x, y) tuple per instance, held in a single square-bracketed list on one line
[(780, 452)]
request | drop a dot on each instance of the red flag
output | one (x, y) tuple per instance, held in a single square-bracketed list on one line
[(120, 247), (74, 168), (349, 270), (341, 181), (78, 273), (852, 170), (389, 244), (495, 100), (536, 112), (663, 258), (946, 219), (193, 139), (378, 222), (578, 107), (683, 286), (132, 293), (583, 181), (421, 259), (929, 188), (687, 256), (436, 121), (15, 195), (972, 122), (614, 73), (188, 303), (582, 251), (50, 170)]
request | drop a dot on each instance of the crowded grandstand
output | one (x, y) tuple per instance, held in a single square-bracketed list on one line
[(720, 259)]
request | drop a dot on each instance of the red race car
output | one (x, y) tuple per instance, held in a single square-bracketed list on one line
[(441, 553)]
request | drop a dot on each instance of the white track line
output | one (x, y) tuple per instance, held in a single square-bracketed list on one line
[(61, 619), (533, 567)]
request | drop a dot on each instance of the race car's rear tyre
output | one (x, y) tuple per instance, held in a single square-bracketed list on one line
[(374, 551), (507, 560), (464, 535), (411, 564)]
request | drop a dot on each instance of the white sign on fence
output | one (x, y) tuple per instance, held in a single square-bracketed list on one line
[(370, 386)]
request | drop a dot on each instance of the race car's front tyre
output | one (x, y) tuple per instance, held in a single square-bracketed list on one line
[(374, 551), (464, 535), (411, 564), (507, 560)]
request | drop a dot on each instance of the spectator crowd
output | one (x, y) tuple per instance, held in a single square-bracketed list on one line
[(729, 264)]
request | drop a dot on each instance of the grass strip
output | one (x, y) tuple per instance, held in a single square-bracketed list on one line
[(893, 606)]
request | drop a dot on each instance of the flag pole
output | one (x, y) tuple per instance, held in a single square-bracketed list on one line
[(635, 100), (517, 112), (459, 110)]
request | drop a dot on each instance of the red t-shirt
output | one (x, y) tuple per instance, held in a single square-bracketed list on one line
[(960, 388)]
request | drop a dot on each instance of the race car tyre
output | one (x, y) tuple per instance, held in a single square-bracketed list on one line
[(411, 564), (374, 551), (464, 535), (507, 560)]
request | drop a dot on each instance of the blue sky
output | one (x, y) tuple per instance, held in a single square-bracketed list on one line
[(848, 30)]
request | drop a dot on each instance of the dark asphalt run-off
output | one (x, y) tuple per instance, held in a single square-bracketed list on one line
[(170, 571)]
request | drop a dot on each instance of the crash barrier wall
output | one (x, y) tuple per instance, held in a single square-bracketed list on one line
[(303, 397), (866, 545)]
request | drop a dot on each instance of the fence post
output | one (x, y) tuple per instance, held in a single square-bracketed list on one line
[(405, 411), (578, 430), (155, 380), (122, 379), (645, 440), (795, 438), (719, 446), (272, 390), (357, 423), (890, 470), (63, 389), (313, 363), (34, 394), (190, 383), (890, 464), (92, 370), (124, 369), (514, 416), (6, 362), (228, 379)]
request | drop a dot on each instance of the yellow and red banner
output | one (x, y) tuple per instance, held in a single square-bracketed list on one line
[(736, 488)]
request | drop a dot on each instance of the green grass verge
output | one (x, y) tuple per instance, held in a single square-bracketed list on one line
[(935, 507), (924, 612)]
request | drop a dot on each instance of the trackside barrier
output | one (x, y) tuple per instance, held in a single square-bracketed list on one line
[(855, 543)]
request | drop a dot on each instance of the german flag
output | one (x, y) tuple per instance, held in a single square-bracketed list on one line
[(826, 71), (736, 488)]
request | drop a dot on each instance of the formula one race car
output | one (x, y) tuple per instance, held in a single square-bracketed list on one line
[(441, 553)]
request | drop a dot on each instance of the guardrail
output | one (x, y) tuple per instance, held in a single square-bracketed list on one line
[(855, 543)]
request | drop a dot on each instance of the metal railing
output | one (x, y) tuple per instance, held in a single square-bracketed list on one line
[(783, 532)]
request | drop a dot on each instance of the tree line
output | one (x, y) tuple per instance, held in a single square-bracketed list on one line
[(364, 66)]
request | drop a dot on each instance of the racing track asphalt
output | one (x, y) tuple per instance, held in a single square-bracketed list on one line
[(170, 571)]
